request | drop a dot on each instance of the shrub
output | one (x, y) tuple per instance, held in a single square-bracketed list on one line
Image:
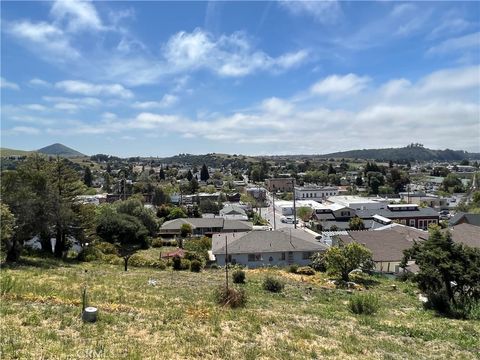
[(7, 283), (185, 264), (112, 259), (177, 263), (366, 304), (214, 267), (230, 297), (318, 262), (195, 266), (169, 243), (157, 243), (90, 253), (238, 276), (273, 284), (106, 248), (305, 270), (293, 268)]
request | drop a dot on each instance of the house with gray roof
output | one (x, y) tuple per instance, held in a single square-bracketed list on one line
[(467, 218), (387, 246), (267, 248), (204, 226), (233, 212), (406, 214)]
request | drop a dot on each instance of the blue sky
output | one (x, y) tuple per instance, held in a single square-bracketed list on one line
[(161, 78)]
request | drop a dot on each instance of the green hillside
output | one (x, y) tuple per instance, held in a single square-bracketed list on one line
[(411, 152), (4, 152), (60, 150)]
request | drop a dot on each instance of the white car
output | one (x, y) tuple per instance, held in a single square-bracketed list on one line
[(287, 220)]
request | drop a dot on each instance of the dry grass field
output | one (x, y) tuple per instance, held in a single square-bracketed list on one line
[(178, 318)]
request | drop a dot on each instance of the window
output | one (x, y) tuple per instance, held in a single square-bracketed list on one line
[(306, 255), (254, 257), (282, 256), (412, 222), (420, 224)]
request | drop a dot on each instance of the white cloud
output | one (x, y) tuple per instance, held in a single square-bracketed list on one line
[(454, 45), (4, 84), (48, 40), (77, 15), (228, 55), (84, 102), (27, 130), (89, 89), (340, 85), (167, 100), (35, 107), (326, 12), (39, 82)]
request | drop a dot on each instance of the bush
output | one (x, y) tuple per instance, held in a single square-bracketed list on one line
[(214, 267), (157, 243), (106, 248), (185, 264), (305, 270), (177, 263), (238, 277), (172, 243), (230, 297), (112, 259), (318, 262), (7, 283), (366, 304), (195, 266), (273, 284), (90, 253), (293, 268)]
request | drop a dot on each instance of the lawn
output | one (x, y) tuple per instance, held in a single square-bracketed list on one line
[(178, 319)]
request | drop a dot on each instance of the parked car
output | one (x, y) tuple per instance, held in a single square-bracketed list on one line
[(287, 220)]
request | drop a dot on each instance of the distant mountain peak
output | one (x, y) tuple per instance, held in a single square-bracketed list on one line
[(60, 150)]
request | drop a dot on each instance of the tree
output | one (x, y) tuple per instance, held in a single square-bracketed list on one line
[(160, 197), (359, 181), (176, 213), (87, 176), (161, 175), (107, 184), (356, 223), (189, 175), (193, 185), (65, 188), (134, 207), (331, 170), (185, 230), (126, 232), (204, 175), (452, 183), (342, 259), (304, 213), (7, 224), (448, 272)]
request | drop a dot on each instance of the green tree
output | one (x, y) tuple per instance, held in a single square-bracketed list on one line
[(341, 260), (448, 272), (193, 185), (304, 213), (7, 225), (87, 176), (176, 213), (161, 175), (107, 184), (160, 197), (125, 231), (356, 223), (135, 207), (452, 183), (189, 175), (204, 175), (185, 230)]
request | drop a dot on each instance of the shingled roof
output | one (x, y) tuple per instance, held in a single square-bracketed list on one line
[(466, 234), (385, 245), (267, 241)]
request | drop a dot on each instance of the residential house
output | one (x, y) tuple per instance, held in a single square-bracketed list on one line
[(466, 234), (358, 202), (267, 248), (465, 218), (387, 246), (233, 212), (204, 226)]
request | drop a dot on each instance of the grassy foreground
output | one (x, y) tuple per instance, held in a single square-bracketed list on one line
[(178, 319)]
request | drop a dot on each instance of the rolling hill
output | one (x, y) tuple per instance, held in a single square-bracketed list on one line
[(60, 150), (411, 152), (5, 152)]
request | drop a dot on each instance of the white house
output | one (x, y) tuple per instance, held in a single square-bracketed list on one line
[(359, 202), (267, 248)]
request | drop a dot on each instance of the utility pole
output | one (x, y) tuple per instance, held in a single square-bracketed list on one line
[(273, 205), (294, 206), (226, 262)]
